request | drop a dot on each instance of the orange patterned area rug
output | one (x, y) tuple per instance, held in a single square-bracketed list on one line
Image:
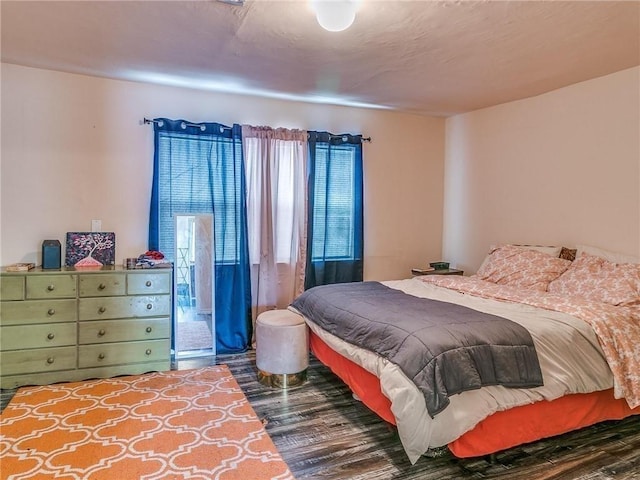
[(194, 424)]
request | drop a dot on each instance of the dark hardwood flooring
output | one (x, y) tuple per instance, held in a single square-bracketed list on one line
[(322, 433)]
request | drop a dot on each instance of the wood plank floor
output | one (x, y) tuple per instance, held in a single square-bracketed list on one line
[(322, 433)]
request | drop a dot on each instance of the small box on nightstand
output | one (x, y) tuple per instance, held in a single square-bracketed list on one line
[(433, 271)]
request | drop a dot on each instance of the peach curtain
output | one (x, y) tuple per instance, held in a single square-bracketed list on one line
[(275, 165)]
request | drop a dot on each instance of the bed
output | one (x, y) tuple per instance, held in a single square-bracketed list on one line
[(582, 316)]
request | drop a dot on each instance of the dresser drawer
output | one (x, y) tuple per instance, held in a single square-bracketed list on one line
[(124, 307), (101, 285), (11, 288), (124, 330), (19, 337), (38, 311), (121, 353), (51, 286), (38, 360), (148, 283)]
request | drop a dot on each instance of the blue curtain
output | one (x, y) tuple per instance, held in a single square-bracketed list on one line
[(198, 168), (335, 209)]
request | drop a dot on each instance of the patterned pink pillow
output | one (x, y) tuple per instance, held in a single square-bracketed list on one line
[(600, 280), (522, 267)]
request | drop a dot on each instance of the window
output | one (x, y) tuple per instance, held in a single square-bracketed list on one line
[(334, 204), (195, 173), (335, 218)]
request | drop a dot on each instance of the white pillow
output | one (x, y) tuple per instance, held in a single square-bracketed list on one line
[(608, 255)]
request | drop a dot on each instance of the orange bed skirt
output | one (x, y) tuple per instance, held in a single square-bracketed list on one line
[(499, 431)]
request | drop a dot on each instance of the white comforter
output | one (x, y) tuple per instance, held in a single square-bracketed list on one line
[(569, 353)]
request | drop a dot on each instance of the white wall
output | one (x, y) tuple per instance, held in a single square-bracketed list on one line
[(562, 168), (73, 150)]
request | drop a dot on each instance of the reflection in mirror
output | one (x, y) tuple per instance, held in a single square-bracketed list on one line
[(194, 328)]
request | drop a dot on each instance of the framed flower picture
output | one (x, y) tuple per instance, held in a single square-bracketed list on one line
[(90, 249)]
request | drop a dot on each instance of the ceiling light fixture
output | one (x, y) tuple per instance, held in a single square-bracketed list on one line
[(335, 15)]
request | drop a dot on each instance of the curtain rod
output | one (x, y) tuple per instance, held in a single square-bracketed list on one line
[(364, 139), (147, 121)]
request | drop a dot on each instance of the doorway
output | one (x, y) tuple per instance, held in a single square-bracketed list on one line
[(194, 286)]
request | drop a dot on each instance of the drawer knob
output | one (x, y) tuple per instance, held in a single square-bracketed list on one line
[(149, 306), (101, 356), (149, 329), (51, 336), (51, 288), (102, 310), (51, 311), (50, 360), (148, 352), (102, 286), (101, 333), (148, 283)]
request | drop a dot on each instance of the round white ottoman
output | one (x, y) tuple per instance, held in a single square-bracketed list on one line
[(282, 348)]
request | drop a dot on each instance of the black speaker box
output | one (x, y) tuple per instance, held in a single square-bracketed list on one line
[(51, 257)]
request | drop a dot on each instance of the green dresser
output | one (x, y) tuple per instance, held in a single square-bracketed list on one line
[(71, 324)]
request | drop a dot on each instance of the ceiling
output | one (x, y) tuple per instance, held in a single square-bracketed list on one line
[(427, 57)]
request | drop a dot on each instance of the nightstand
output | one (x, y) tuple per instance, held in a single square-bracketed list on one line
[(447, 271)]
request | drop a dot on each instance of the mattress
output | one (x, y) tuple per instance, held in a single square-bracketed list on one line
[(570, 356), (499, 431)]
